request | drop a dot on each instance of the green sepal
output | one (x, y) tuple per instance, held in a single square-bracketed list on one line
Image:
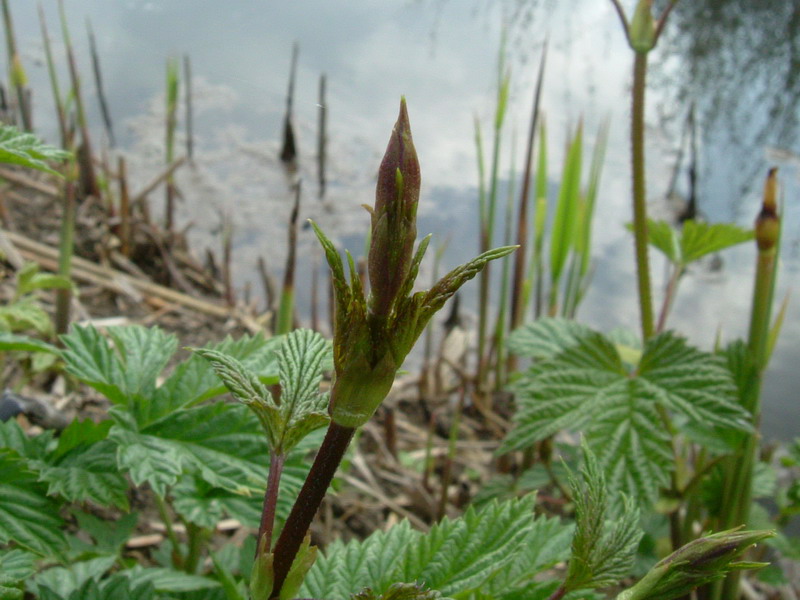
[(263, 578)]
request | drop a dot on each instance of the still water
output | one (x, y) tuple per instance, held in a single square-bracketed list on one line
[(739, 63)]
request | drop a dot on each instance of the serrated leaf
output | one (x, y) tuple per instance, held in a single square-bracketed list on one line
[(88, 472), (546, 337), (89, 357), (125, 373), (25, 149), (17, 564), (65, 580), (455, 557), (695, 240), (603, 552), (194, 380), (302, 406), (589, 387), (28, 517), (221, 442)]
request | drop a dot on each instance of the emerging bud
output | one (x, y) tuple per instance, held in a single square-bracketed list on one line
[(394, 228), (642, 29), (371, 339), (768, 224), (697, 563)]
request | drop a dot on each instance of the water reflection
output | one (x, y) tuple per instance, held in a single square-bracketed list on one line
[(737, 59)]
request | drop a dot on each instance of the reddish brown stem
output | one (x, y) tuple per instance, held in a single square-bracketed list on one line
[(308, 501), (276, 462)]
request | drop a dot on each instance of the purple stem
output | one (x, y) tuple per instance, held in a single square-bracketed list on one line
[(308, 501)]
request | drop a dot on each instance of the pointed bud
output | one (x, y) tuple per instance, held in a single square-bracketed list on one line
[(642, 29), (394, 217), (768, 224), (697, 563)]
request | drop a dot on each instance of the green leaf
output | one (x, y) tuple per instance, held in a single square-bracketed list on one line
[(25, 149), (399, 591), (126, 374), (588, 386), (89, 358), (88, 472), (29, 279), (24, 314), (27, 516), (602, 553), (169, 580), (220, 442), (502, 543), (109, 537), (302, 406), (21, 343), (65, 580), (17, 564), (565, 220), (81, 432), (546, 337), (696, 239), (194, 380)]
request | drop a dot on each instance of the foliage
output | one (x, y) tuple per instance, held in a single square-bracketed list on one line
[(495, 550), (25, 149), (695, 240), (581, 381)]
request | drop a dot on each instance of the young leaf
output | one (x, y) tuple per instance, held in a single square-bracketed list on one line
[(602, 552), (302, 405), (29, 279), (194, 380), (588, 386), (25, 314), (25, 149), (126, 374), (696, 239), (27, 516)]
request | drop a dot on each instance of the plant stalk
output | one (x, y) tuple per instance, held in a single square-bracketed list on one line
[(308, 501), (65, 249), (177, 560), (276, 462), (639, 195)]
